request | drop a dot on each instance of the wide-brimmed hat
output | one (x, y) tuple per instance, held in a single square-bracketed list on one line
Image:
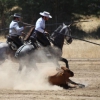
[(16, 15), (46, 14)]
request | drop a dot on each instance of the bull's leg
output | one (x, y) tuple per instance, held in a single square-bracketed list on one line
[(64, 86), (76, 85), (65, 61)]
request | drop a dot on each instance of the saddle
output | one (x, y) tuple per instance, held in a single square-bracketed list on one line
[(29, 34)]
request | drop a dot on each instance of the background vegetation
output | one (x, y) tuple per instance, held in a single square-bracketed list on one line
[(61, 10)]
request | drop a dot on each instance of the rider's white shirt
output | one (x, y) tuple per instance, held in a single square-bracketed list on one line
[(40, 25), (15, 29)]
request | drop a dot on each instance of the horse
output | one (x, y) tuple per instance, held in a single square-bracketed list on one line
[(6, 53), (26, 54), (8, 49)]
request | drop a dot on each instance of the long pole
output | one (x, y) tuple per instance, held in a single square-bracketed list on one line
[(83, 40), (5, 29), (28, 24), (13, 28)]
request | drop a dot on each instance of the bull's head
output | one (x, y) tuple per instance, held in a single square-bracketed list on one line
[(66, 72)]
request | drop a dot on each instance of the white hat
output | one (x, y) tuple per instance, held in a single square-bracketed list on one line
[(46, 14), (16, 15)]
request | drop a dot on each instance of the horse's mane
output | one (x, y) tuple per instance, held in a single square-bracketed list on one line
[(62, 29), (56, 31)]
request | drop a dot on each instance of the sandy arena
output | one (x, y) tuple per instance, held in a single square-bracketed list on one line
[(33, 86)]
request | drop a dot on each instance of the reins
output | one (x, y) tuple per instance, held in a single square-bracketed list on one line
[(77, 38)]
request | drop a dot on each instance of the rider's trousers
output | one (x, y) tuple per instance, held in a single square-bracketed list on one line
[(17, 40), (42, 39)]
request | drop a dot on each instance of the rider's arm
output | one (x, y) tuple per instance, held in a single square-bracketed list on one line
[(18, 29)]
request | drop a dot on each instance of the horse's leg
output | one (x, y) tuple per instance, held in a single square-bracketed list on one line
[(33, 66), (65, 61), (2, 60), (20, 67), (3, 57)]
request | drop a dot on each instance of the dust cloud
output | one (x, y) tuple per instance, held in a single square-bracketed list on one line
[(27, 79)]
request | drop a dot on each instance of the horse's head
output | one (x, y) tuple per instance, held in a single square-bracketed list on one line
[(68, 35), (65, 31), (61, 33)]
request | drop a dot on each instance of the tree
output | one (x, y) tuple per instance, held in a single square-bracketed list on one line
[(5, 6)]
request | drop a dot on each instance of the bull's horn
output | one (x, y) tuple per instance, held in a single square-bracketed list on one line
[(63, 68)]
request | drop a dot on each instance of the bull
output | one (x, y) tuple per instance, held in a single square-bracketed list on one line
[(61, 78)]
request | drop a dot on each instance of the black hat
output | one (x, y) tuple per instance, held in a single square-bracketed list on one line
[(16, 15)]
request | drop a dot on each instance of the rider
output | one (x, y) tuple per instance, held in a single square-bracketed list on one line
[(40, 32), (14, 30)]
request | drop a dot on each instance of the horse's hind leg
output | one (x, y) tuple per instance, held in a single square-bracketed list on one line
[(20, 67), (31, 65), (2, 59), (65, 61)]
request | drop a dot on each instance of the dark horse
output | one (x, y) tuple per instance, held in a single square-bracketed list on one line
[(26, 54)]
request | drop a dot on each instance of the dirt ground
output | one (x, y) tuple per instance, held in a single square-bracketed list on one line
[(86, 72)]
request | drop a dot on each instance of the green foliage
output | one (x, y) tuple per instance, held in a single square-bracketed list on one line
[(5, 6), (30, 7), (61, 10)]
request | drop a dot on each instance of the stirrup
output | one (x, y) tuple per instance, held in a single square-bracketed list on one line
[(13, 46)]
